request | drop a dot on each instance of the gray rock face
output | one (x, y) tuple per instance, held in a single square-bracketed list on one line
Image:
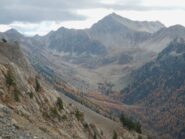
[(7, 130), (74, 42)]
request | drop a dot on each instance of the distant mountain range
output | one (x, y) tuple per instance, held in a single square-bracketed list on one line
[(111, 32), (143, 60), (113, 40)]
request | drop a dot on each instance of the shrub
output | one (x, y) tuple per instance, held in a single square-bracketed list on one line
[(59, 104), (86, 126), (115, 136), (37, 85), (95, 136), (9, 78), (4, 40), (30, 94), (138, 127), (16, 95), (130, 124), (54, 113), (101, 132), (64, 117), (79, 115), (139, 137)]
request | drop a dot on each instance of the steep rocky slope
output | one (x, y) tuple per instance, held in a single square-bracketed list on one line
[(29, 107)]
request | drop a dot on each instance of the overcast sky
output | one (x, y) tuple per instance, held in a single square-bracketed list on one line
[(41, 16)]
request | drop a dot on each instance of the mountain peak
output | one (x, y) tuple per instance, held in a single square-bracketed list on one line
[(113, 14), (141, 26), (12, 30), (13, 35), (174, 31), (177, 27), (115, 17)]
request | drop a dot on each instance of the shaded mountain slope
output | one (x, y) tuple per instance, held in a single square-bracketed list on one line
[(159, 87), (74, 42), (160, 39)]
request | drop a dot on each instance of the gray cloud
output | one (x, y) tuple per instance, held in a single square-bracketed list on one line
[(34, 11), (42, 10), (141, 7), (37, 15)]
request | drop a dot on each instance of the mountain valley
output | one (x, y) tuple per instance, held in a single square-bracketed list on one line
[(117, 67)]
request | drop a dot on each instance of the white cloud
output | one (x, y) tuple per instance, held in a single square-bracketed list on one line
[(171, 3), (36, 28), (109, 1), (4, 28)]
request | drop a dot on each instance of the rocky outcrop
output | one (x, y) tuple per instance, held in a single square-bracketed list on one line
[(7, 130)]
